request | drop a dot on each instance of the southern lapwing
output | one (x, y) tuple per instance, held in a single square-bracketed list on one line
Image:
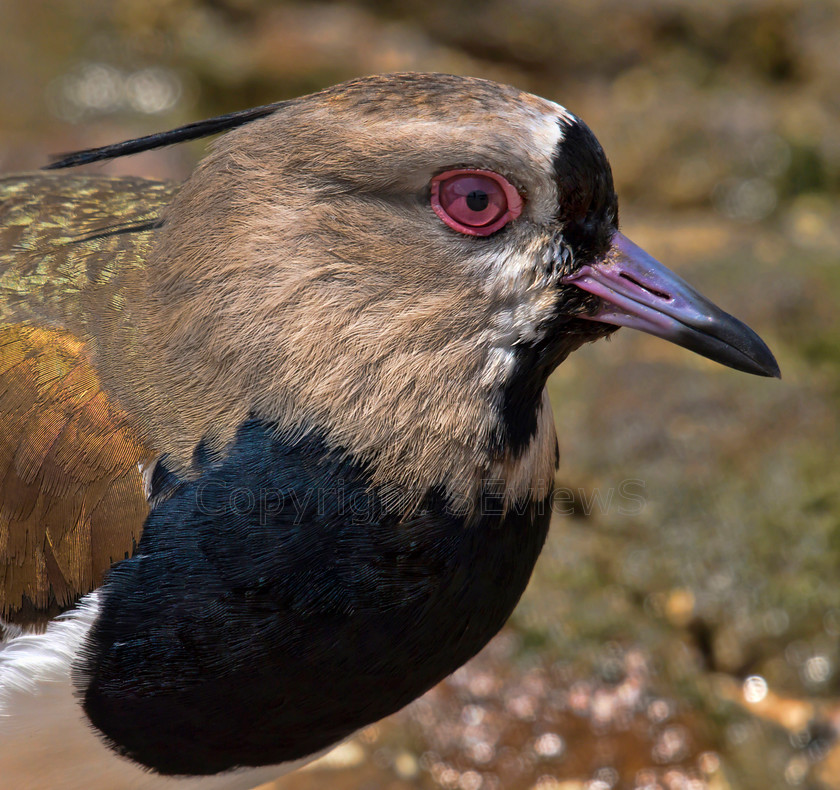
[(275, 446)]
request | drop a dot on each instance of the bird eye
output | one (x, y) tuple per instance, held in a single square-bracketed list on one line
[(475, 202)]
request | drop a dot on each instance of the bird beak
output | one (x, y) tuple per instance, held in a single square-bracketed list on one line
[(638, 291)]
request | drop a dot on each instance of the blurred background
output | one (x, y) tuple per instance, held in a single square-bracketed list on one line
[(681, 631)]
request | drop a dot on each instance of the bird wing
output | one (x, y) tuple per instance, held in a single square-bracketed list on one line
[(72, 497)]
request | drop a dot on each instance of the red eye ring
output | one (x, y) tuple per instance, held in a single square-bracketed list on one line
[(475, 202)]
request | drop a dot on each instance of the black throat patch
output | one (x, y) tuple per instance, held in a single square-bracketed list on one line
[(275, 606), (587, 212)]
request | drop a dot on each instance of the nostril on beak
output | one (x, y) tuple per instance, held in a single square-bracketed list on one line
[(659, 294)]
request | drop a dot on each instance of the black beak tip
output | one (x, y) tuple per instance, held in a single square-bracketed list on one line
[(759, 358), (758, 352), (773, 370), (761, 362)]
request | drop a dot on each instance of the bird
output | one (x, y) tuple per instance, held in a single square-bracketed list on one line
[(276, 453)]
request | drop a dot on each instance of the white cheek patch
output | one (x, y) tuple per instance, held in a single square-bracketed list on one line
[(520, 323), (517, 325), (511, 271), (498, 367), (513, 281)]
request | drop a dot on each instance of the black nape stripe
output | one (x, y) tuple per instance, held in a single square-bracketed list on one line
[(192, 131)]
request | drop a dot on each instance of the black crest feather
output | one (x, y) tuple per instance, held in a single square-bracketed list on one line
[(192, 131)]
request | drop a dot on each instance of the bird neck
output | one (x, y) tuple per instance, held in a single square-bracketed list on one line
[(418, 417)]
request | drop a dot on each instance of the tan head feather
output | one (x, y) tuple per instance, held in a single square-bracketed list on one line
[(301, 275)]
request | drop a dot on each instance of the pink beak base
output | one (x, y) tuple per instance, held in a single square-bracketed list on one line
[(639, 292)]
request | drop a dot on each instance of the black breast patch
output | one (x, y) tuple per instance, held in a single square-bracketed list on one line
[(275, 606)]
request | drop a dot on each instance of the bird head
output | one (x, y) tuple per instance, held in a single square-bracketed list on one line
[(398, 263)]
